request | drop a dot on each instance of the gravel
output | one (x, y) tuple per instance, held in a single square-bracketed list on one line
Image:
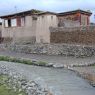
[(19, 81), (42, 80)]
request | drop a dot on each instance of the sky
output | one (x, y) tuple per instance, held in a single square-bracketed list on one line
[(13, 6)]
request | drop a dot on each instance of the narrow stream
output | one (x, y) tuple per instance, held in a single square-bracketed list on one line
[(59, 81)]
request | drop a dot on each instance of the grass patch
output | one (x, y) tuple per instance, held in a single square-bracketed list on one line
[(4, 58), (41, 63), (23, 61), (92, 65), (5, 89), (27, 62), (17, 60)]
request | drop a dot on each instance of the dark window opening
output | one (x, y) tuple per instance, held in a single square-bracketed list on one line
[(9, 23), (51, 17), (34, 18), (19, 21), (42, 17)]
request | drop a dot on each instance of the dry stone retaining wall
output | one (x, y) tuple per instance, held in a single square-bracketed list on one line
[(54, 49), (73, 35)]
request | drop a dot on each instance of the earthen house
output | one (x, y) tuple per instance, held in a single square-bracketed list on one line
[(34, 26), (79, 16)]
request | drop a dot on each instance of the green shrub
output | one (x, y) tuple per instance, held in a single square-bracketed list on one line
[(19, 60), (6, 89), (41, 63), (4, 58), (27, 62)]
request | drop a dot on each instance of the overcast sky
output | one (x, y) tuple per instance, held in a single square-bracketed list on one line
[(12, 6)]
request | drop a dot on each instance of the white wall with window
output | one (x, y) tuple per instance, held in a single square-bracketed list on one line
[(10, 22)]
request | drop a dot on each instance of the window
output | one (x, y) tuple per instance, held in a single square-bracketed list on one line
[(13, 22), (6, 23), (34, 18), (9, 23), (42, 17), (51, 17), (19, 21)]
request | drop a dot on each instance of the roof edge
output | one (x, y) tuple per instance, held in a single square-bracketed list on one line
[(79, 10), (33, 11)]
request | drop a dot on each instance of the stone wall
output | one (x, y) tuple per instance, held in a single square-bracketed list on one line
[(53, 49), (79, 35)]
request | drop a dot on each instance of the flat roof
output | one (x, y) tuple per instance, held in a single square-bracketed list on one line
[(29, 12), (38, 12), (24, 13), (75, 11), (47, 12)]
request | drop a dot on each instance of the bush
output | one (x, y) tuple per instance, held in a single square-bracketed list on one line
[(41, 63), (7, 89), (19, 60), (27, 62), (4, 58)]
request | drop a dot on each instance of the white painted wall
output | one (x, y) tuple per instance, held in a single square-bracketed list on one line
[(33, 28), (26, 31), (43, 24)]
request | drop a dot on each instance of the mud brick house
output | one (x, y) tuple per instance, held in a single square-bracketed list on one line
[(79, 17), (34, 26), (29, 26)]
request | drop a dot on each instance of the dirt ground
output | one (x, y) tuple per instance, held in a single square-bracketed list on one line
[(87, 73)]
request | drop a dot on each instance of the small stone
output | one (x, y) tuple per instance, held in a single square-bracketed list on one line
[(23, 87), (20, 90), (49, 64), (49, 93), (29, 88), (58, 65), (65, 66), (19, 94)]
